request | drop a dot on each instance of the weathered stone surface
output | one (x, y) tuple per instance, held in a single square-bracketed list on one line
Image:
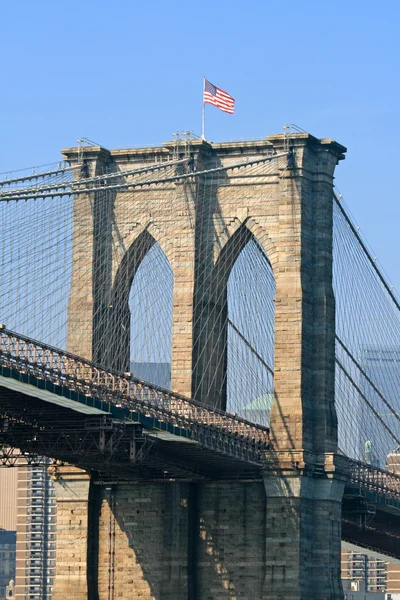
[(72, 495), (232, 552), (143, 542), (202, 229), (247, 541)]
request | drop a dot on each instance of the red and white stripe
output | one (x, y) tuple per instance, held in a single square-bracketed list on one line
[(221, 100)]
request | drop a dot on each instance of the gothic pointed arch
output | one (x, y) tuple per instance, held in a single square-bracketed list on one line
[(214, 327), (254, 229), (116, 351)]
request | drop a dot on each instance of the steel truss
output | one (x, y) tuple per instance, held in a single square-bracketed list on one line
[(213, 429), (97, 442)]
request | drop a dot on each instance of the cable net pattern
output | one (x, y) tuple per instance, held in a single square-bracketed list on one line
[(44, 269), (367, 349), (150, 306), (129, 318), (250, 343)]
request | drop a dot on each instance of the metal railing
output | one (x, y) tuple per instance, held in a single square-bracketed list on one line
[(212, 428), (372, 479)]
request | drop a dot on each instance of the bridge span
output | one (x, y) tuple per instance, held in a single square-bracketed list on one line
[(123, 430)]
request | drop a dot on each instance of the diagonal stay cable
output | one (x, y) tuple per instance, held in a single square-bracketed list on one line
[(359, 367), (368, 403), (261, 251), (367, 253), (75, 184), (126, 186), (395, 414), (251, 348)]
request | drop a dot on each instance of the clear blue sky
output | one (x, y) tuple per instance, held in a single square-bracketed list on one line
[(130, 73)]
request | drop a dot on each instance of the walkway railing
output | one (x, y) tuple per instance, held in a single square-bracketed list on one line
[(372, 479), (212, 428)]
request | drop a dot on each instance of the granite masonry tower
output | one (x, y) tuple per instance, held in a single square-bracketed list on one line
[(271, 539)]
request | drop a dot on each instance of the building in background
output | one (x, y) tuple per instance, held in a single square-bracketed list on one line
[(356, 590), (10, 590), (359, 567), (8, 527), (27, 510), (158, 373), (7, 559), (36, 534), (259, 410), (382, 367)]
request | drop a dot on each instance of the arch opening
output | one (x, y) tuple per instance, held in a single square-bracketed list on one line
[(233, 352), (137, 336), (250, 337), (150, 307)]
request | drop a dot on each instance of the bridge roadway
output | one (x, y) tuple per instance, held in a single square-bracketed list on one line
[(56, 404)]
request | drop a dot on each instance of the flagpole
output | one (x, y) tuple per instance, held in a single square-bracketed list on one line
[(203, 136)]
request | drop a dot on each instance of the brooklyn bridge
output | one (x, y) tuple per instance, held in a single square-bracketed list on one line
[(200, 340)]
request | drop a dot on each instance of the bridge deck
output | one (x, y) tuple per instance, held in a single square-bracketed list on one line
[(66, 375), (40, 420)]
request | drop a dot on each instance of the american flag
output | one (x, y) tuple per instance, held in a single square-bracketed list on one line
[(218, 98)]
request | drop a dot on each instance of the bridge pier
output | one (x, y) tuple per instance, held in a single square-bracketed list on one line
[(199, 541), (231, 550), (143, 541), (161, 541), (303, 537), (73, 542), (181, 541)]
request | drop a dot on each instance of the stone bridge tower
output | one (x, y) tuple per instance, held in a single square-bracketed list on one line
[(289, 210)]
